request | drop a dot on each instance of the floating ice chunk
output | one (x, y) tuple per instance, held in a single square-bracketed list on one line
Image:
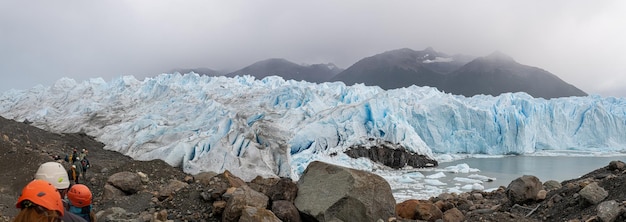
[(454, 190), (414, 175), (461, 168), (436, 176), (467, 180), (475, 186), (434, 182), (406, 179), (481, 177)]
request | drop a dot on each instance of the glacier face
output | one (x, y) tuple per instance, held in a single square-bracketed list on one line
[(275, 127)]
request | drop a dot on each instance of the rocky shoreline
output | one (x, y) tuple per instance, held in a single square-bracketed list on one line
[(130, 190)]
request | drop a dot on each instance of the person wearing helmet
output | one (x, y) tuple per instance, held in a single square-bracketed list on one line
[(76, 172), (55, 174), (39, 201), (80, 202)]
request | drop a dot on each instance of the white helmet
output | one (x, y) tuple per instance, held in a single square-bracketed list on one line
[(54, 173)]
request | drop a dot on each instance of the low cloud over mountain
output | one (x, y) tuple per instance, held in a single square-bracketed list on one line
[(465, 75)]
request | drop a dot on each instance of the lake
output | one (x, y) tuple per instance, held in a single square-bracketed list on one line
[(559, 168), (471, 173)]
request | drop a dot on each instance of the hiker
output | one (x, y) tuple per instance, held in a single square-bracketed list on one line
[(84, 162), (55, 174), (80, 202), (83, 153), (72, 157), (39, 201), (75, 172)]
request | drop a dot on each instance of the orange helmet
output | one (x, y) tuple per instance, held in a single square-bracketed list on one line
[(42, 193), (79, 195)]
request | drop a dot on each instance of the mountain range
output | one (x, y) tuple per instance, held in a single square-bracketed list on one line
[(465, 75)]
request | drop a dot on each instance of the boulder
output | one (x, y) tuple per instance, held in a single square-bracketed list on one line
[(524, 189), (418, 210), (127, 182), (616, 165), (205, 177), (551, 185), (541, 195), (232, 180), (286, 211), (406, 209), (428, 212), (255, 214), (593, 193), (172, 187), (453, 215), (242, 197), (328, 192), (285, 189), (262, 184), (111, 193), (217, 185), (609, 210)]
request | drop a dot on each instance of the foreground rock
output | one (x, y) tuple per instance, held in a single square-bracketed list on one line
[(524, 189), (332, 193)]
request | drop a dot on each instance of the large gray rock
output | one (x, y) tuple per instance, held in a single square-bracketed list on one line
[(240, 198), (110, 192), (524, 189), (609, 210), (126, 181), (328, 192), (593, 193)]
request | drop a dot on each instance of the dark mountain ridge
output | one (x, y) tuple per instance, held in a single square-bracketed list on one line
[(402, 68), (498, 73), (201, 71), (458, 74), (316, 73)]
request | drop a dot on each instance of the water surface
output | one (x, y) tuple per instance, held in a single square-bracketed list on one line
[(559, 168)]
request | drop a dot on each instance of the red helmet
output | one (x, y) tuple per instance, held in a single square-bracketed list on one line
[(42, 193), (79, 195)]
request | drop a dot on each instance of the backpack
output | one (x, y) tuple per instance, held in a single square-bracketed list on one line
[(85, 164), (81, 211)]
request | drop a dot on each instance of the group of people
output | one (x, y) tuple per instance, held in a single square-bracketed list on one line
[(78, 165), (51, 196)]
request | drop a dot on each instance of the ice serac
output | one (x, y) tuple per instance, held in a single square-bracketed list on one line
[(275, 127)]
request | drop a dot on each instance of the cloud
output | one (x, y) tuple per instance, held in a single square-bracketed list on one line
[(45, 41)]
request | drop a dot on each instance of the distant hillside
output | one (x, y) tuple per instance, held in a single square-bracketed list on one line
[(201, 71), (498, 73), (402, 68), (457, 74), (491, 75), (317, 73)]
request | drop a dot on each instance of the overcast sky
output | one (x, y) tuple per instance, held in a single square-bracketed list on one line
[(582, 42)]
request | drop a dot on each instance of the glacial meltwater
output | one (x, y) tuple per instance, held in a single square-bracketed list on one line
[(488, 173)]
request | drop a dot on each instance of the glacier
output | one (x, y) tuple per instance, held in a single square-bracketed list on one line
[(275, 127)]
